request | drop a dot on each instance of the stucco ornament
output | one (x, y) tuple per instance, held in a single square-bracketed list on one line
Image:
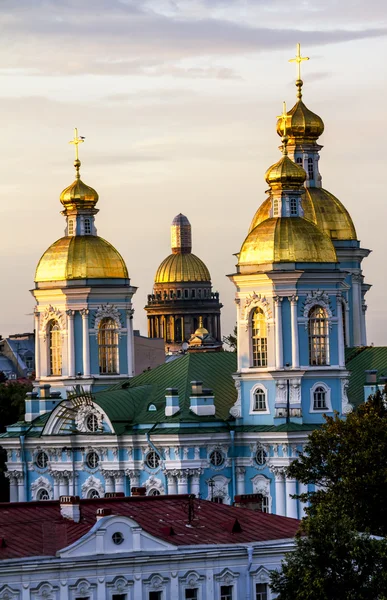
[(39, 484), (254, 301), (346, 406), (261, 485), (82, 415), (107, 311), (92, 483), (317, 298), (236, 409), (218, 488), (154, 484), (51, 313)]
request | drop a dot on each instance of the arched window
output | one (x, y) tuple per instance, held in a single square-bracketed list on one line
[(259, 400), (259, 338), (310, 168), (71, 227), (108, 347), (299, 160), (87, 227), (318, 337), (42, 494), (93, 493), (55, 342), (154, 492), (293, 206), (320, 399)]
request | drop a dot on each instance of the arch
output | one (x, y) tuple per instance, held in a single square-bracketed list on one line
[(40, 484), (92, 483), (54, 347), (318, 332), (7, 593), (259, 401), (108, 357), (154, 486), (320, 398), (218, 488), (258, 338), (253, 301)]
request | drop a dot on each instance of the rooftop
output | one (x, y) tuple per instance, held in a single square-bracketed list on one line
[(30, 529)]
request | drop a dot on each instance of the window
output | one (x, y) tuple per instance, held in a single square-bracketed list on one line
[(152, 408), (117, 538), (275, 207), (217, 499), (260, 457), (119, 597), (259, 400), (259, 338), (92, 423), (152, 460), (265, 504), (42, 495), (92, 460), (154, 492), (108, 347), (261, 591), (185, 293), (179, 293), (155, 595), (226, 592), (216, 458), (299, 160), (41, 460), (55, 343), (87, 227), (318, 336), (71, 227), (293, 206), (310, 168), (193, 294), (320, 399), (191, 594), (93, 494)]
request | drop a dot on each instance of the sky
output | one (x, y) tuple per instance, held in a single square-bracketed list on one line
[(177, 100)]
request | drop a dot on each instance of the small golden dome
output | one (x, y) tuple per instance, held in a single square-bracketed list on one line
[(302, 125), (291, 239), (182, 267), (322, 208), (285, 174), (78, 195), (81, 257)]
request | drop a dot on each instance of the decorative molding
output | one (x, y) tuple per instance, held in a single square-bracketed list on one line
[(154, 484), (256, 301), (92, 483), (319, 298), (220, 488), (49, 314), (81, 416), (39, 484), (107, 311), (236, 409), (346, 406), (328, 401)]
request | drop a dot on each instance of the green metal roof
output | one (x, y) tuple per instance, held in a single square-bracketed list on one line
[(127, 404), (359, 360)]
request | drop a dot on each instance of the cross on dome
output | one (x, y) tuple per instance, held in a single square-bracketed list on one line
[(298, 59), (283, 118), (78, 139)]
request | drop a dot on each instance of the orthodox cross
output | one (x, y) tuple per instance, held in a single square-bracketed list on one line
[(298, 60), (283, 118), (76, 141)]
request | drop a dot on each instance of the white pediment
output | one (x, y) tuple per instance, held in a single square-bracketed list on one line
[(114, 534)]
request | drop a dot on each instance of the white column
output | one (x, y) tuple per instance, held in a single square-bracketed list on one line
[(37, 345), (56, 485), (356, 308), (120, 482), (109, 481), (279, 490), (85, 342), (279, 360), (363, 331), (182, 482), (20, 488), (172, 486), (302, 489), (291, 503), (63, 486), (134, 478), (294, 327), (13, 497), (340, 330), (70, 342), (130, 341), (195, 482), (240, 480)]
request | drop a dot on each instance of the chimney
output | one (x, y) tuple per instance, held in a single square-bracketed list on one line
[(371, 376), (32, 403), (103, 512), (114, 495), (171, 402), (70, 508), (201, 400), (45, 390), (138, 491)]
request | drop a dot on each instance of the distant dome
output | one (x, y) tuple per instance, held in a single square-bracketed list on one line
[(81, 257), (285, 173), (182, 267), (293, 239)]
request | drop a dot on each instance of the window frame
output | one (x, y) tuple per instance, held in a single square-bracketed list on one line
[(315, 337), (262, 351), (55, 348), (87, 226), (328, 399), (254, 389), (108, 347), (88, 455), (293, 206)]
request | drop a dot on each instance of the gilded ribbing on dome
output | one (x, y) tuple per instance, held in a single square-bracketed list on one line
[(278, 240), (182, 267), (80, 257), (78, 195)]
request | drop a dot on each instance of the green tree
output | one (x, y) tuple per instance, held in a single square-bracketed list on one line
[(337, 555), (12, 398), (232, 340)]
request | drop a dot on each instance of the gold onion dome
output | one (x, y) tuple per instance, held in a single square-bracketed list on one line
[(322, 208), (302, 125), (285, 173), (78, 195), (289, 239), (181, 265), (81, 257)]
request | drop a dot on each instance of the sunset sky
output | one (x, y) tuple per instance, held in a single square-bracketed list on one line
[(178, 100)]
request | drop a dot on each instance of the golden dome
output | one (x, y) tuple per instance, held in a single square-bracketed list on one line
[(302, 125), (322, 208), (81, 257), (291, 239), (285, 173), (182, 267), (78, 195)]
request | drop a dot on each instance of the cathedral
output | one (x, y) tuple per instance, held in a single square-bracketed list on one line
[(215, 424)]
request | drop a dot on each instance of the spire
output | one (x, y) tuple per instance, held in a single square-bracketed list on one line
[(76, 141), (181, 236), (298, 59), (285, 137)]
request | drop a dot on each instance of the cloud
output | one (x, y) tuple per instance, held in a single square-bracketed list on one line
[(112, 37)]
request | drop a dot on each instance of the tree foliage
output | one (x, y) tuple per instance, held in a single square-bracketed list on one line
[(12, 402), (337, 555), (232, 340)]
